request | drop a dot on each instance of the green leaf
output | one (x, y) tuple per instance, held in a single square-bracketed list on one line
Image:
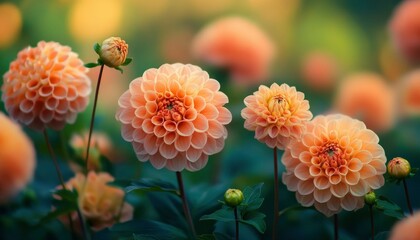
[(206, 237), (389, 208), (147, 229), (66, 195), (382, 235), (147, 185), (100, 62), (252, 200), (256, 220), (293, 208), (65, 209), (97, 48), (91, 65), (225, 214), (127, 61), (119, 69), (106, 164)]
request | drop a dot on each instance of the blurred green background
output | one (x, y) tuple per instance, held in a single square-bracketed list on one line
[(353, 32)]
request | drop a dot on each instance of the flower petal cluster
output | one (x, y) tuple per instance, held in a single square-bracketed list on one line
[(101, 204), (407, 229), (46, 86), (276, 114), (337, 161), (174, 116), (17, 159)]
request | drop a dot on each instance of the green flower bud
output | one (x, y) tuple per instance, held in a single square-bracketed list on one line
[(370, 198), (233, 197), (399, 168)]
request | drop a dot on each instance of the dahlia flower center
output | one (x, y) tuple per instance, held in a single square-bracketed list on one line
[(278, 105), (171, 108), (331, 158)]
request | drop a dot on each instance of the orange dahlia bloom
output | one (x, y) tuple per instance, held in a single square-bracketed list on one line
[(407, 229), (409, 94), (100, 145), (337, 161), (17, 159), (405, 30), (319, 70), (174, 117), (238, 45), (46, 86), (367, 97), (101, 205), (276, 114)]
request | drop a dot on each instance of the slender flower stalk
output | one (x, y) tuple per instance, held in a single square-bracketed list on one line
[(185, 204), (61, 179), (372, 224), (235, 210), (276, 195), (92, 120), (410, 208), (335, 226)]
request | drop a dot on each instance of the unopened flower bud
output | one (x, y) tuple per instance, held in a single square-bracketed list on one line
[(113, 51), (370, 198), (399, 168), (233, 197)]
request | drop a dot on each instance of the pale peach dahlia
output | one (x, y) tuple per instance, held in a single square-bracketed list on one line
[(174, 117), (46, 86), (101, 205), (337, 161), (276, 114)]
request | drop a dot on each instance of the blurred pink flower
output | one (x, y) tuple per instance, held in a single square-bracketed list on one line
[(17, 159), (100, 145), (409, 94), (407, 229), (336, 162), (238, 45), (319, 70), (46, 86), (405, 30), (276, 114), (367, 97), (174, 117), (101, 205)]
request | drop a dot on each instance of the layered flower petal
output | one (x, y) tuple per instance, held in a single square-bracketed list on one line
[(334, 165), (176, 116), (46, 86)]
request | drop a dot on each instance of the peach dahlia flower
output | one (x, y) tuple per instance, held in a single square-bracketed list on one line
[(100, 145), (276, 114), (46, 86), (409, 94), (17, 159), (238, 45), (101, 205), (174, 117), (407, 228), (337, 161), (405, 30), (367, 97)]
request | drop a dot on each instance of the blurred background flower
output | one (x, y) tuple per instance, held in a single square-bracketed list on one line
[(17, 159)]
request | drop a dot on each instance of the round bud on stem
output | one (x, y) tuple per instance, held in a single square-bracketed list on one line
[(234, 197), (399, 168), (113, 52), (370, 198)]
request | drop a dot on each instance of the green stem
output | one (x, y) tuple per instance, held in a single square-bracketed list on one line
[(335, 227), (276, 195), (61, 179), (185, 204), (407, 197), (236, 223), (92, 120), (372, 225)]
